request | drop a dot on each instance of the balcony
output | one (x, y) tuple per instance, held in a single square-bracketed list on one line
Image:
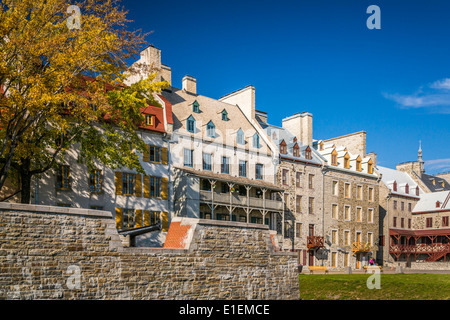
[(361, 247), (240, 200), (314, 242)]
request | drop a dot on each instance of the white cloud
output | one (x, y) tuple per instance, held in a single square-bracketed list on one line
[(435, 97), (438, 165)]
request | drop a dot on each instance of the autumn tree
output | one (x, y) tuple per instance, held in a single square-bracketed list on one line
[(62, 75)]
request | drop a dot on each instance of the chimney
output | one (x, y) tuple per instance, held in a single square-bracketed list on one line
[(301, 126), (244, 99), (189, 84)]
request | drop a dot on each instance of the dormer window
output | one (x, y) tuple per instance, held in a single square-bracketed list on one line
[(347, 161), (334, 157), (190, 124), (240, 137), (308, 153), (196, 107), (224, 115), (296, 150), (370, 166), (211, 129), (256, 143), (407, 188), (438, 204), (394, 187), (283, 147), (321, 146), (417, 191), (149, 120), (358, 164)]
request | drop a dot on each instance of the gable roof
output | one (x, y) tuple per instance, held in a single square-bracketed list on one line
[(427, 202), (402, 178)]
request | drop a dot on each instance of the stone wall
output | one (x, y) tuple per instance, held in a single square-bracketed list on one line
[(67, 253)]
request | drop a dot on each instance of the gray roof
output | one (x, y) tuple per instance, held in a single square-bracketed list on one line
[(440, 184), (434, 201), (402, 178)]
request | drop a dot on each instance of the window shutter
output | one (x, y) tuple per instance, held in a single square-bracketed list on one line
[(146, 156), (138, 218), (119, 218), (138, 185), (164, 155), (146, 218), (165, 221), (146, 187), (118, 181), (164, 188)]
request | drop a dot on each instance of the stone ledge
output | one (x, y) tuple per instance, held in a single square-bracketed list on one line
[(53, 209), (185, 220)]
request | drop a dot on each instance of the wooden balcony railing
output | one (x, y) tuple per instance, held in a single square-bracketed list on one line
[(314, 242), (361, 247)]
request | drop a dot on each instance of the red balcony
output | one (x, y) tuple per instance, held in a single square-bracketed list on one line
[(314, 242)]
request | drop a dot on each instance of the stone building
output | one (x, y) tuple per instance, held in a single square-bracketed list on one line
[(350, 196), (399, 195), (299, 173), (428, 241)]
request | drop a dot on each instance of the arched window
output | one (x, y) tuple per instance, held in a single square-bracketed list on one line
[(210, 129)]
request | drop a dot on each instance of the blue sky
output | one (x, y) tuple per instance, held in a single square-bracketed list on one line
[(320, 57)]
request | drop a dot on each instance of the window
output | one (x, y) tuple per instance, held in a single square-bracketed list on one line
[(127, 218), (334, 211), (334, 259), (409, 206), (311, 181), (409, 223), (211, 129), (359, 192), (224, 115), (196, 107), (240, 137), (370, 215), (308, 153), (370, 168), (402, 206), (256, 143), (402, 222), (95, 181), (283, 147), (128, 184), (207, 161), (155, 187), (445, 221), (358, 164), (335, 188), (407, 188), (347, 161), (63, 178), (149, 120), (296, 150), (188, 158), (298, 229), (242, 168), (417, 190), (334, 237), (311, 205), (359, 214), (429, 222), (155, 154), (286, 201), (191, 124), (259, 173), (438, 204), (346, 259), (394, 187), (285, 177), (370, 238), (298, 203), (394, 222), (347, 213), (334, 155), (395, 204), (371, 194), (347, 190), (346, 238), (298, 176), (225, 165)]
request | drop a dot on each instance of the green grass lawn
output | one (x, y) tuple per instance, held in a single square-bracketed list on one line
[(392, 287)]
